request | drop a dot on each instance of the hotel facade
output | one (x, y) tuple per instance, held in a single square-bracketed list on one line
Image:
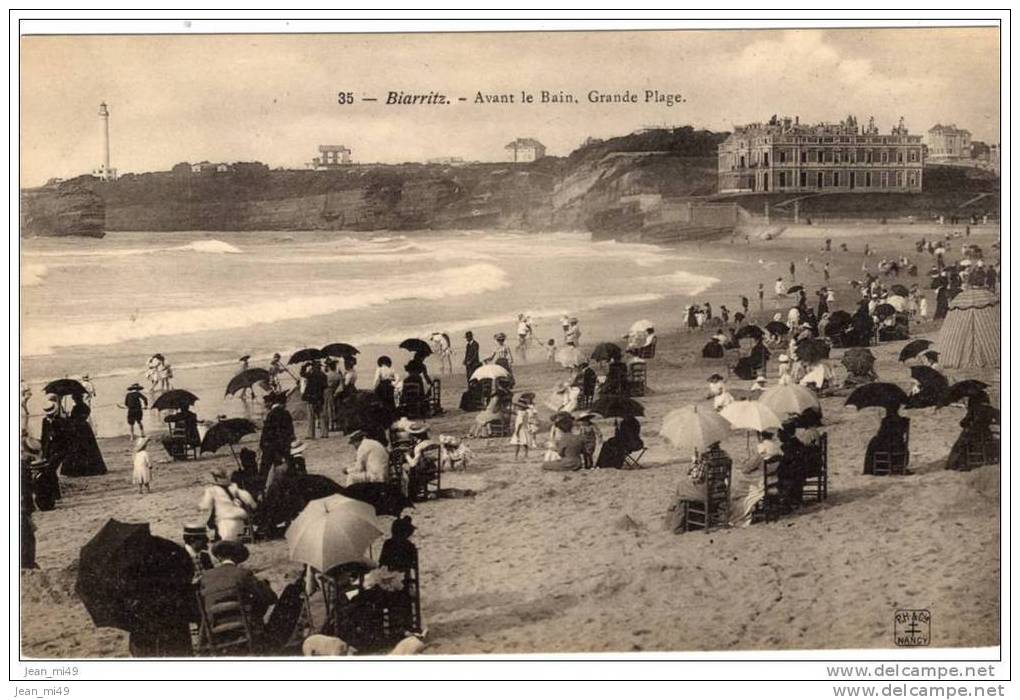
[(784, 155)]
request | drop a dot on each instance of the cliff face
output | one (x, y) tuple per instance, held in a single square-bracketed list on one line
[(64, 209)]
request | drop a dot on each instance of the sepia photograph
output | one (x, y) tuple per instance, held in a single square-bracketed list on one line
[(483, 343)]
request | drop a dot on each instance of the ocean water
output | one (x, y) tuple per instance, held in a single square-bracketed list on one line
[(102, 307)]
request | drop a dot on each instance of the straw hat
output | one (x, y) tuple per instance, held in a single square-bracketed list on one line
[(195, 530), (244, 358), (140, 443), (135, 387), (715, 378), (417, 428), (297, 447), (50, 407)]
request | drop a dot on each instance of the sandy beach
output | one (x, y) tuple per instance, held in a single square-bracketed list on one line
[(539, 562)]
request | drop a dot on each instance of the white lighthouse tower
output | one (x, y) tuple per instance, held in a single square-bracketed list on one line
[(104, 171)]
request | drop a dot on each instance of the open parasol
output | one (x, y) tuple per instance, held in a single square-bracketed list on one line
[(750, 331), (247, 379), (332, 531), (877, 395), (967, 389), (811, 351), (787, 399), (838, 322), (777, 328), (339, 350), (858, 361), (914, 348), (641, 326), (751, 415), (387, 499), (795, 289), (305, 355), (693, 429), (606, 352), (899, 290), (417, 346), (490, 371), (178, 399), (227, 432), (65, 387)]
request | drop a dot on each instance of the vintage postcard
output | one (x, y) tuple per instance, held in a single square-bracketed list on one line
[(509, 342)]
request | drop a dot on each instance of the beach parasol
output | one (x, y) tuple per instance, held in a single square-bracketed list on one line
[(339, 350), (693, 429), (247, 379), (65, 387), (641, 326), (175, 398), (127, 577), (789, 399), (967, 389), (606, 352), (751, 415), (332, 531), (490, 371), (811, 351), (617, 407), (305, 355), (417, 346), (750, 331), (914, 348), (878, 395), (287, 497), (777, 328), (227, 432), (899, 290), (933, 386), (795, 288), (884, 311), (387, 499)]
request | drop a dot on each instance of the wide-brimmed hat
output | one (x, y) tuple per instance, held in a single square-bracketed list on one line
[(229, 549), (219, 475), (135, 387), (274, 397), (715, 378), (500, 336), (195, 530), (50, 407), (417, 428), (355, 436), (140, 443), (242, 358), (297, 447)]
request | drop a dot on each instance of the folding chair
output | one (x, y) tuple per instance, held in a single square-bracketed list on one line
[(889, 462), (632, 462)]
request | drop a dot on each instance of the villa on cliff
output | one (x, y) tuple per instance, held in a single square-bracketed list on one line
[(524, 150)]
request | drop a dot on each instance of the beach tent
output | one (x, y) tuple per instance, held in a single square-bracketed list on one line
[(970, 333)]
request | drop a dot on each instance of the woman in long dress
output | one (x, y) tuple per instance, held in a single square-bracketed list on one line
[(82, 456)]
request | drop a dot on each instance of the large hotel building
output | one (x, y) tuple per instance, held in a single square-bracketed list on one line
[(784, 155)]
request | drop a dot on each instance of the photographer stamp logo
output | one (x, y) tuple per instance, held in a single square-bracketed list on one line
[(912, 628)]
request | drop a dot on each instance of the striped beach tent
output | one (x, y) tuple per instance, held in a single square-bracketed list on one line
[(970, 333)]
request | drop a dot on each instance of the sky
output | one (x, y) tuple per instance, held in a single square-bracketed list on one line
[(274, 98)]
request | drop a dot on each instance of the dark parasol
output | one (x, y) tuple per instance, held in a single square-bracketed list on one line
[(128, 579), (606, 352), (750, 331), (417, 346), (65, 387), (838, 322), (227, 432), (795, 288), (305, 355), (811, 351), (858, 361), (914, 348), (247, 379), (967, 389), (899, 290), (878, 395), (339, 350), (617, 407), (777, 328), (178, 399)]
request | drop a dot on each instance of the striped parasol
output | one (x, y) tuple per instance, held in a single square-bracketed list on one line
[(970, 333)]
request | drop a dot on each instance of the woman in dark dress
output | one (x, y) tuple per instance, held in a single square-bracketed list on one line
[(977, 430), (616, 379), (891, 437), (627, 439), (861, 327), (83, 457), (941, 301)]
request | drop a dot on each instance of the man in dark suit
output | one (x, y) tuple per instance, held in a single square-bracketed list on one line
[(314, 395), (277, 433), (471, 361), (230, 581)]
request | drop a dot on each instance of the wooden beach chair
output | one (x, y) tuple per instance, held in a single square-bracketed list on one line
[(225, 628), (981, 453), (637, 379), (714, 511), (413, 403), (893, 462), (425, 480), (435, 398), (771, 506), (816, 487)]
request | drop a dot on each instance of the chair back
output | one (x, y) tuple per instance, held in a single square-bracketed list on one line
[(225, 626), (412, 400)]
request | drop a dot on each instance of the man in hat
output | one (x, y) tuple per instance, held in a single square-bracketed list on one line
[(229, 581), (135, 403), (471, 361), (277, 432), (196, 543), (371, 462), (314, 394)]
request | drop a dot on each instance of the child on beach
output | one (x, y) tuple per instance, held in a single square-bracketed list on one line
[(525, 427), (550, 351), (141, 475), (134, 402)]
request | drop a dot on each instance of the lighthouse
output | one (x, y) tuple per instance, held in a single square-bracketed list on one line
[(104, 171)]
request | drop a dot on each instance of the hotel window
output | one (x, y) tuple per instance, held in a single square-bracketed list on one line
[(899, 156), (868, 154), (803, 179), (913, 178), (803, 156), (885, 156), (782, 156), (836, 156), (899, 178), (835, 178), (913, 156), (867, 178), (765, 162), (885, 179)]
